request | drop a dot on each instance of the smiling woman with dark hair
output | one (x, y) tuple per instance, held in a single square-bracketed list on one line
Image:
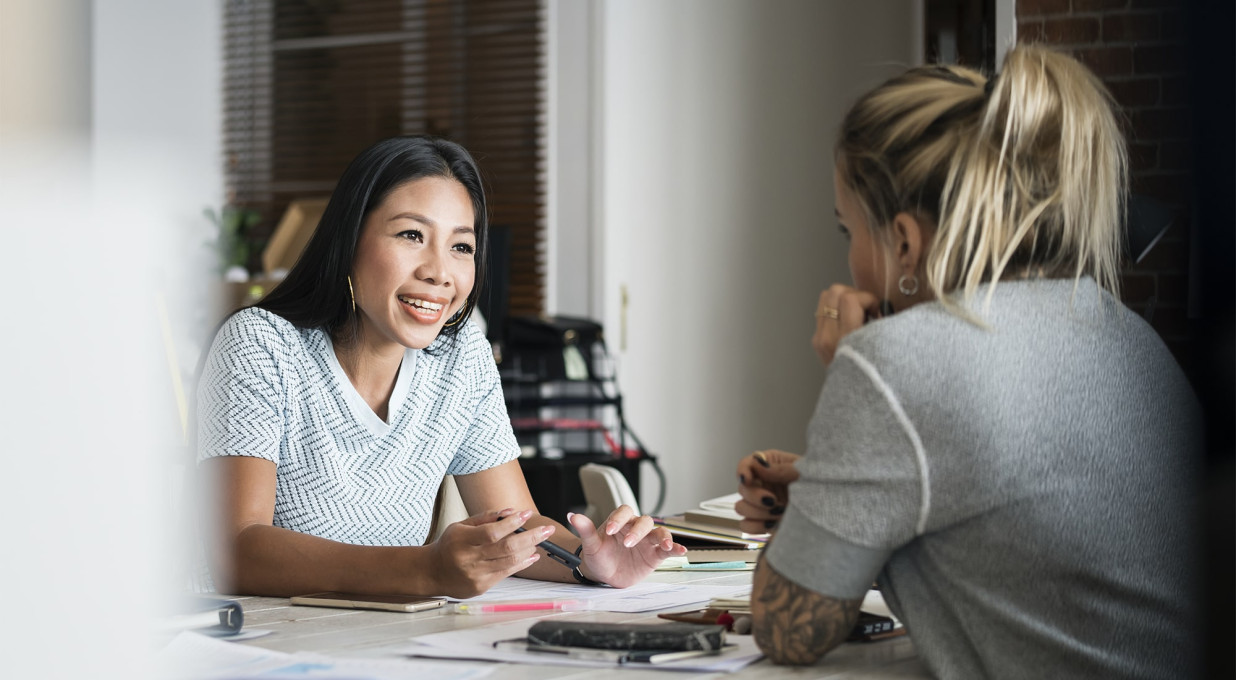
[(330, 412), (316, 294)]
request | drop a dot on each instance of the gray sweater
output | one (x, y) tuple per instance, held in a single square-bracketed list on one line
[(1022, 491)]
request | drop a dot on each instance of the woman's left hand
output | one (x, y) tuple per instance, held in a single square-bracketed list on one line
[(841, 310), (625, 549)]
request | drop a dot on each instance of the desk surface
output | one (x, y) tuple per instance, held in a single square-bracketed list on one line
[(349, 632)]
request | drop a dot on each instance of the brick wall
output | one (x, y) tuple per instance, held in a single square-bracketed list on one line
[(1138, 48)]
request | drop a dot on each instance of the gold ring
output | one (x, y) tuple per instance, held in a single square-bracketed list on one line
[(829, 312)]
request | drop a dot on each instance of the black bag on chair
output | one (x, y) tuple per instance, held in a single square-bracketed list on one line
[(553, 347)]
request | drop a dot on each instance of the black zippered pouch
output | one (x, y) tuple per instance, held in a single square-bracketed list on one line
[(657, 636)]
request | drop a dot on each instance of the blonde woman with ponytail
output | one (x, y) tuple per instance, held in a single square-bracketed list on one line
[(999, 442)]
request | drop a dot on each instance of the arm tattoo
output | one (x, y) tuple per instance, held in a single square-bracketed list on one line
[(796, 625)]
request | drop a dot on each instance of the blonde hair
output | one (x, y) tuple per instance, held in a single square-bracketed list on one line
[(1022, 175)]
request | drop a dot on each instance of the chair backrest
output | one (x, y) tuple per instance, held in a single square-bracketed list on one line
[(448, 508), (604, 490)]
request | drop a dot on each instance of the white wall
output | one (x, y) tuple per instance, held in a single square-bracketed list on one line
[(158, 162), (108, 147), (157, 137), (1006, 29), (713, 193), (157, 89), (84, 406)]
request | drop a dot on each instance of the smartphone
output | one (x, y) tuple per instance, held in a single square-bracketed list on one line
[(390, 603)]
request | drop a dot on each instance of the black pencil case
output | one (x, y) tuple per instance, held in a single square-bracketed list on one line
[(679, 637)]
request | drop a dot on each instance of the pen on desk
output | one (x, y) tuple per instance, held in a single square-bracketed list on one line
[(616, 656), (477, 608), (556, 552)]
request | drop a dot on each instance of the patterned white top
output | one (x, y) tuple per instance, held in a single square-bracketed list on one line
[(275, 391)]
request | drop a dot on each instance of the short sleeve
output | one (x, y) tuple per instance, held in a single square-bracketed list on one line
[(489, 440), (861, 492), (241, 391)]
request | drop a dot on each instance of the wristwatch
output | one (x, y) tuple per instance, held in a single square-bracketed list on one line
[(579, 575)]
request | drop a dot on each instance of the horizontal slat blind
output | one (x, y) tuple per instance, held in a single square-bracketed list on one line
[(310, 83)]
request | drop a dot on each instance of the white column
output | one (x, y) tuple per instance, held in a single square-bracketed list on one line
[(570, 124), (715, 197)]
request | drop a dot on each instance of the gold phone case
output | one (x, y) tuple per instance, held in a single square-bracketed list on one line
[(390, 603)]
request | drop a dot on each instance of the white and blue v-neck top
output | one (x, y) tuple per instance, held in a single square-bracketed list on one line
[(274, 391)]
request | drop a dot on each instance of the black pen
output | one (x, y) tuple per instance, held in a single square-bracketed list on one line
[(557, 552)]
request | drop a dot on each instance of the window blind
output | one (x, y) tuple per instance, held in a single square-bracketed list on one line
[(310, 83)]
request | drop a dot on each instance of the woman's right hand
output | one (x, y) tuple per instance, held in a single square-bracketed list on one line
[(764, 482), (473, 555), (840, 310)]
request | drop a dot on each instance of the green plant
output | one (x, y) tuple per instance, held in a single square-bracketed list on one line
[(235, 243)]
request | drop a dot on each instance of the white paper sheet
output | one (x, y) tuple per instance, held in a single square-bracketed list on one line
[(722, 505), (478, 643), (245, 634), (642, 597), (193, 656), (874, 603)]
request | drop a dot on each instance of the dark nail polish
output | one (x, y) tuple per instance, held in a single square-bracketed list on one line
[(770, 524), (742, 479), (777, 510), (768, 501)]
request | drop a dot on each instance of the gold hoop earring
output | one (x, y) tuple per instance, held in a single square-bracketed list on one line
[(458, 316), (351, 293)]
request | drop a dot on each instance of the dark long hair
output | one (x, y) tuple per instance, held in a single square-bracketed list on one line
[(315, 293)]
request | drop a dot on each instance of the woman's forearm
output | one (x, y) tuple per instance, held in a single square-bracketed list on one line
[(265, 560)]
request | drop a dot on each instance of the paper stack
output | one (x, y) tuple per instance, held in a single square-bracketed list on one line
[(711, 532)]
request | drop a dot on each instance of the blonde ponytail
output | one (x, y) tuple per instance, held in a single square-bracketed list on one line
[(1024, 175)]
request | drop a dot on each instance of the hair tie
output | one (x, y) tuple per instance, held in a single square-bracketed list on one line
[(989, 86)]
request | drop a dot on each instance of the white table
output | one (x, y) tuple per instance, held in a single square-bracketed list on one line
[(350, 632)]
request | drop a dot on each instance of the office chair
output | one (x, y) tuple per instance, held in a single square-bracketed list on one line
[(604, 490), (448, 508)]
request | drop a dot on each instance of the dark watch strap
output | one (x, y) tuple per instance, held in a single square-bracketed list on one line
[(579, 575)]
